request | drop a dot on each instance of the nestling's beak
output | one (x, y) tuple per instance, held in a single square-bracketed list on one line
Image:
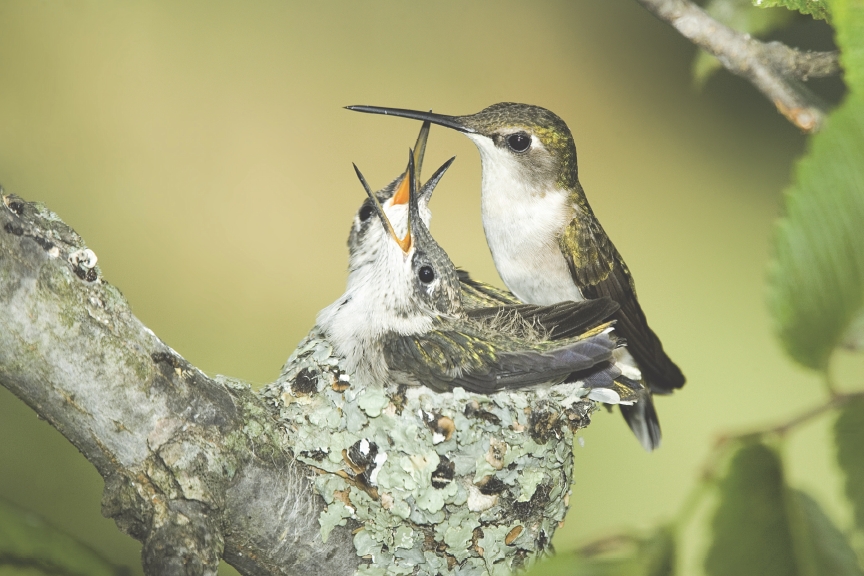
[(440, 119), (404, 243), (401, 195), (425, 192)]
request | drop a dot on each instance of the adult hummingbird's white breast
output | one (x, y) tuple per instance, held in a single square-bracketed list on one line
[(522, 226)]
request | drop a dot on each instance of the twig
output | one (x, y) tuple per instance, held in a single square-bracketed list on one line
[(606, 544), (801, 65), (836, 401), (774, 68)]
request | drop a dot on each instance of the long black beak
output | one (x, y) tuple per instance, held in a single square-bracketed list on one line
[(440, 119)]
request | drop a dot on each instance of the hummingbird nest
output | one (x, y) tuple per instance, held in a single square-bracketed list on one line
[(435, 483)]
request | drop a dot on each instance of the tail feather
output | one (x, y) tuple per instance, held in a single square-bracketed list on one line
[(643, 421)]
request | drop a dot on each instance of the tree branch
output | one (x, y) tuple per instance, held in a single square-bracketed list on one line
[(774, 68), (195, 468), (201, 468)]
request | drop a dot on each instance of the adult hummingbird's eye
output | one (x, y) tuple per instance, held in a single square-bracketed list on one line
[(365, 212), (426, 274), (519, 142)]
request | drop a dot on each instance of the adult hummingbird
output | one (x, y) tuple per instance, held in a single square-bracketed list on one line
[(402, 320), (545, 240)]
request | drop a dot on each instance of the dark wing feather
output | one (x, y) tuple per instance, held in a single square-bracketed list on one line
[(477, 294), (445, 359), (524, 368), (558, 321), (599, 271)]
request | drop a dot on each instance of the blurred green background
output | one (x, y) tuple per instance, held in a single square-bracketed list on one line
[(202, 152)]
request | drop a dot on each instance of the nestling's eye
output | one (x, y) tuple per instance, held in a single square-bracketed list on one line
[(519, 142), (426, 274), (365, 212)]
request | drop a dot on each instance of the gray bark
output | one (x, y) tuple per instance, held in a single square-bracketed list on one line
[(196, 468)]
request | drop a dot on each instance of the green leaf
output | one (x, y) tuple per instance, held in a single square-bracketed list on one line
[(822, 550), (658, 554), (815, 8), (817, 276), (853, 339), (27, 542), (764, 528), (751, 531), (849, 437), (625, 556), (848, 22), (742, 16)]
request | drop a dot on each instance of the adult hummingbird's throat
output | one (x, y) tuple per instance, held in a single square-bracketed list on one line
[(440, 119)]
